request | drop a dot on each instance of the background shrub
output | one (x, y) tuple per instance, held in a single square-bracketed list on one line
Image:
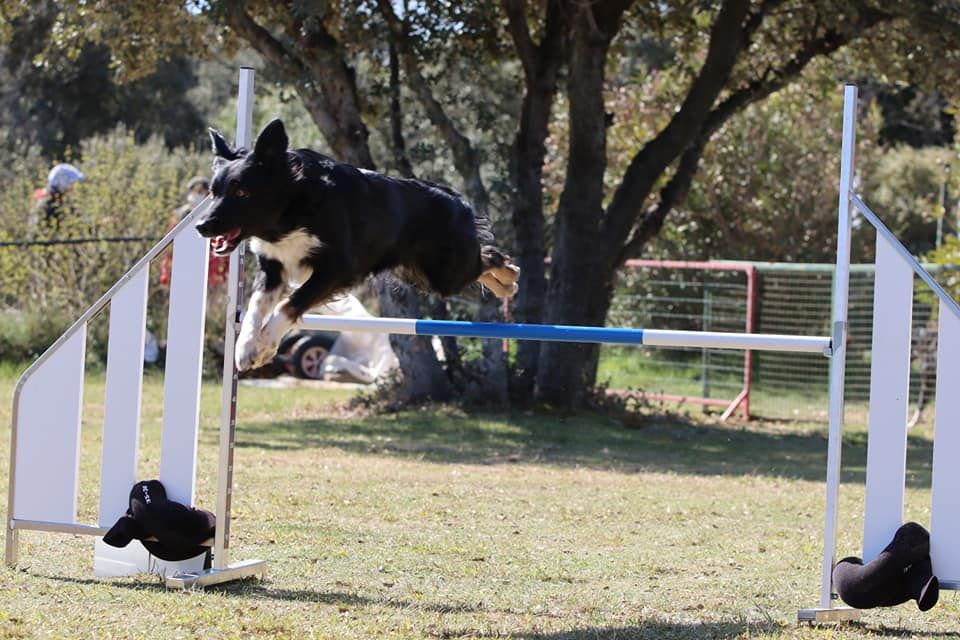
[(131, 191)]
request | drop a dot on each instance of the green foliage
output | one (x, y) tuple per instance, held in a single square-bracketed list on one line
[(141, 35), (766, 188), (55, 95), (766, 185), (25, 333), (948, 253), (130, 191), (903, 186)]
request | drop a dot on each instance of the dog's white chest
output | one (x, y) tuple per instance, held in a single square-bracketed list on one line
[(290, 251)]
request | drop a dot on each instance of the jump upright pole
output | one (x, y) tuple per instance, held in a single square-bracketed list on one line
[(228, 398), (841, 288)]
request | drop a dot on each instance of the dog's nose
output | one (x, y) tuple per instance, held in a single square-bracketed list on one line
[(203, 227)]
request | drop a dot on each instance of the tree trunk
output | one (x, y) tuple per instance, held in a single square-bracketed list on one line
[(423, 377), (312, 59), (528, 224), (567, 371), (466, 160), (492, 368), (541, 65), (579, 289)]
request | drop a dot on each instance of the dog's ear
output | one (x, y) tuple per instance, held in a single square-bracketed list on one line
[(221, 148), (272, 142)]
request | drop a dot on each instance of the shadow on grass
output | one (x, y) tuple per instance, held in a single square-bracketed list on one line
[(251, 588), (884, 631), (653, 629), (719, 630), (344, 600), (675, 445), (645, 631)]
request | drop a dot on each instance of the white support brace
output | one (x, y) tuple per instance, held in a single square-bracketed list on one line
[(889, 391)]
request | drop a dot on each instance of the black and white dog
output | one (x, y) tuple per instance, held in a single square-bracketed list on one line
[(320, 227)]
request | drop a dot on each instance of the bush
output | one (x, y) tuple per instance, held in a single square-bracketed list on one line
[(131, 190), (25, 334), (903, 187)]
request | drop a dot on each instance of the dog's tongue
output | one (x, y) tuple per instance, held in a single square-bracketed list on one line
[(223, 244)]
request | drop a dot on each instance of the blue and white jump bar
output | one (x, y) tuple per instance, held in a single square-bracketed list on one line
[(568, 333)]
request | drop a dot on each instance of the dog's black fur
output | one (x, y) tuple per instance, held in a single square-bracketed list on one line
[(326, 226)]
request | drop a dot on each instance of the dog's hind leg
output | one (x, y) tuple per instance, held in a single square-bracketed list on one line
[(499, 273), (498, 288)]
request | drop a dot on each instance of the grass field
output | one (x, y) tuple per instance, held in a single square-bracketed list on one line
[(437, 524)]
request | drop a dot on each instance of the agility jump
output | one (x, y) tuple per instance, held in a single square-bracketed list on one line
[(44, 470), (889, 394)]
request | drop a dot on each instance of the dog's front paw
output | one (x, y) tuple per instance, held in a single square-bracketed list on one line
[(268, 339), (265, 353), (247, 353)]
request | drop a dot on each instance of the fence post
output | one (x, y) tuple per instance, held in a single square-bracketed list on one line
[(750, 325)]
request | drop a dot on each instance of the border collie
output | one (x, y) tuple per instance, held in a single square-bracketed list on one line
[(319, 227)]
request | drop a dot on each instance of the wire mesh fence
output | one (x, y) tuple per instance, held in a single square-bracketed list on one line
[(680, 296), (790, 299)]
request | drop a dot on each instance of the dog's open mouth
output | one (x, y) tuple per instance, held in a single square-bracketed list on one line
[(223, 245)]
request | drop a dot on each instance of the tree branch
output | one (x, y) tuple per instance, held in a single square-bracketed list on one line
[(673, 192), (466, 159), (775, 79), (396, 116), (289, 65), (326, 84), (541, 65), (541, 62), (520, 32), (770, 81), (727, 40), (269, 47)]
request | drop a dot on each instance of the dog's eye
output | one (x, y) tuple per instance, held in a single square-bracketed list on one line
[(240, 192)]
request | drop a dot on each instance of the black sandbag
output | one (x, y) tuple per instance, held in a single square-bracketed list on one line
[(901, 572), (169, 530)]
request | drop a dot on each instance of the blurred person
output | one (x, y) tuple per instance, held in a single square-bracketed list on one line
[(197, 188), (49, 201)]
